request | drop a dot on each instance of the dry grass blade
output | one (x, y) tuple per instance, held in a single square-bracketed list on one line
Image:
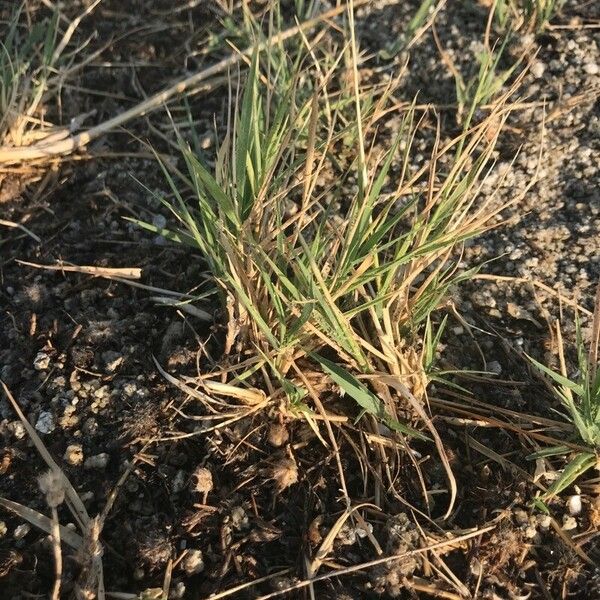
[(167, 580), (22, 227), (327, 543), (107, 272), (185, 307), (42, 522), (205, 398), (249, 396), (248, 584)]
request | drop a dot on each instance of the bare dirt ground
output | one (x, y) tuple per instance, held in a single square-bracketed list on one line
[(78, 352)]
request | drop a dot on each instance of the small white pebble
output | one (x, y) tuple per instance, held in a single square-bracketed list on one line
[(206, 141), (574, 504), (537, 69), (569, 523), (591, 68), (45, 422), (18, 429), (41, 361), (239, 518), (99, 461), (3, 529), (159, 221), (21, 531), (494, 367), (177, 591), (521, 517), (193, 562), (544, 521), (530, 532)]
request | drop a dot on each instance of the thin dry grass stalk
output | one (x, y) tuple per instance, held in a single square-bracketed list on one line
[(52, 485), (451, 542), (42, 522), (106, 272), (20, 226)]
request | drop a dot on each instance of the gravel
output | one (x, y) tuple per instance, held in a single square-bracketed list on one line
[(45, 422), (21, 531)]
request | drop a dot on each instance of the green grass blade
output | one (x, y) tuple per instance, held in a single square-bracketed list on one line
[(558, 378), (575, 469), (366, 399)]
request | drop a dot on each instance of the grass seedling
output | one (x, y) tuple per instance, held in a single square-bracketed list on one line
[(482, 87), (531, 15), (580, 396)]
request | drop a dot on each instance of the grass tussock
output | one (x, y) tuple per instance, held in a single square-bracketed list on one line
[(329, 250)]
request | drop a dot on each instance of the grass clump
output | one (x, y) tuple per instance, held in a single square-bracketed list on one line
[(35, 61), (330, 252), (26, 58), (580, 396)]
